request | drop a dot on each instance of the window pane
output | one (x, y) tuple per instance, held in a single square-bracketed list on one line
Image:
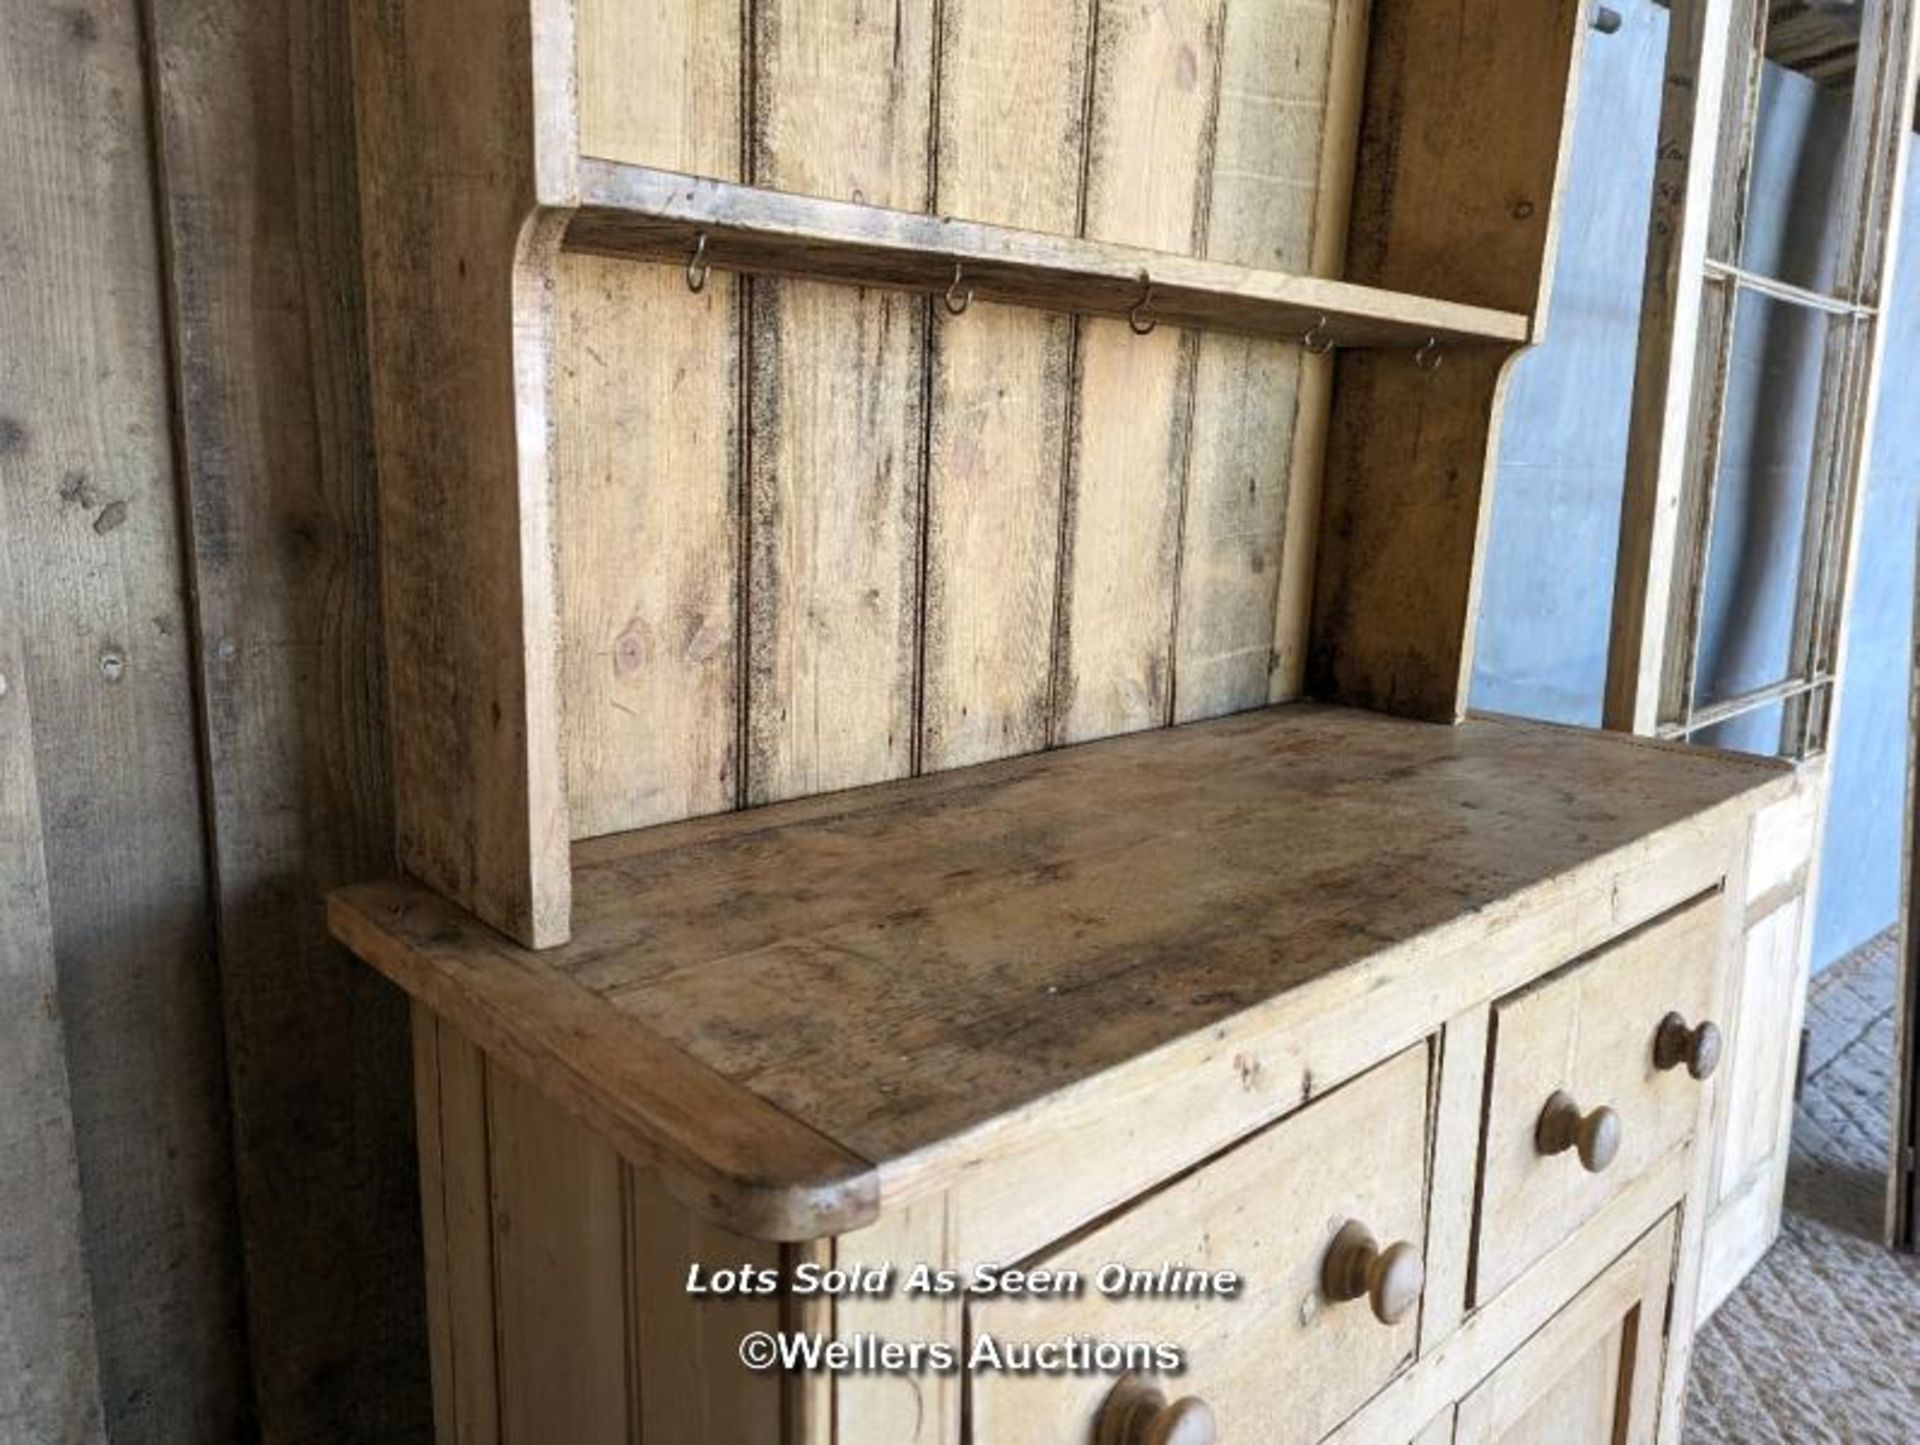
[(1795, 187), (1761, 494)]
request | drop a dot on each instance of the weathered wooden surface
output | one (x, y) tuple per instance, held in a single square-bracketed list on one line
[(1467, 118), (842, 106), (1270, 1369), (969, 538), (1592, 1376), (894, 967), (1282, 155), (999, 387), (461, 317), (649, 453), (1589, 1033), (254, 107), (649, 523), (93, 532), (557, 1277), (49, 1372), (635, 211), (1133, 395)]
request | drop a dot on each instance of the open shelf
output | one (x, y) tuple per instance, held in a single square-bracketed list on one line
[(629, 210)]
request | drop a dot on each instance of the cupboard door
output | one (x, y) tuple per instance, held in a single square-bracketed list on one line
[(1591, 1375)]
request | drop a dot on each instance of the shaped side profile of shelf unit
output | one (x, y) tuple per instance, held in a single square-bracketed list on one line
[(474, 184)]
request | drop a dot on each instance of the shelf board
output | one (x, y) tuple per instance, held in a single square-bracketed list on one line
[(629, 210)]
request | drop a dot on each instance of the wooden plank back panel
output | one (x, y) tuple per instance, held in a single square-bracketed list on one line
[(1011, 140), (647, 447), (648, 453), (834, 392), (840, 106), (1149, 145), (1467, 119), (1284, 64), (660, 82), (968, 536)]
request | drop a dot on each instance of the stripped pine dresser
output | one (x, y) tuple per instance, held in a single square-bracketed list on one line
[(930, 553)]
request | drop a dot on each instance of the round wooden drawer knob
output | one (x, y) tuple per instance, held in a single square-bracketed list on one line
[(1137, 1413), (1391, 1279), (1594, 1136), (1698, 1048)]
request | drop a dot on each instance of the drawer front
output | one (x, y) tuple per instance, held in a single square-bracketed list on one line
[(1283, 1362), (1582, 1043)]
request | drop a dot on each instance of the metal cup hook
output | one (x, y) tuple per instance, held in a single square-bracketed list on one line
[(1317, 341), (1141, 317), (698, 267), (1428, 357), (957, 301)]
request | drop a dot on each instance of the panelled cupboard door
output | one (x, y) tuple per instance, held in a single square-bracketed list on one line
[(1282, 1363), (1591, 1375)]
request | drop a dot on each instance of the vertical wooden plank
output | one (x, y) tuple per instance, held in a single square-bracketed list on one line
[(1408, 492), (997, 441), (49, 1372), (1346, 87), (840, 108), (559, 1271), (1659, 1387), (1278, 69), (457, 1215), (689, 1383), (647, 450), (94, 535), (660, 83), (647, 454), (885, 1409), (1467, 120), (835, 412), (465, 131), (254, 106), (433, 1216), (1011, 136), (808, 1398), (1452, 1172), (1757, 1103), (1151, 130)]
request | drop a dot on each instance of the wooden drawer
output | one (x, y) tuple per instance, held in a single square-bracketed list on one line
[(1585, 1037), (1282, 1362)]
